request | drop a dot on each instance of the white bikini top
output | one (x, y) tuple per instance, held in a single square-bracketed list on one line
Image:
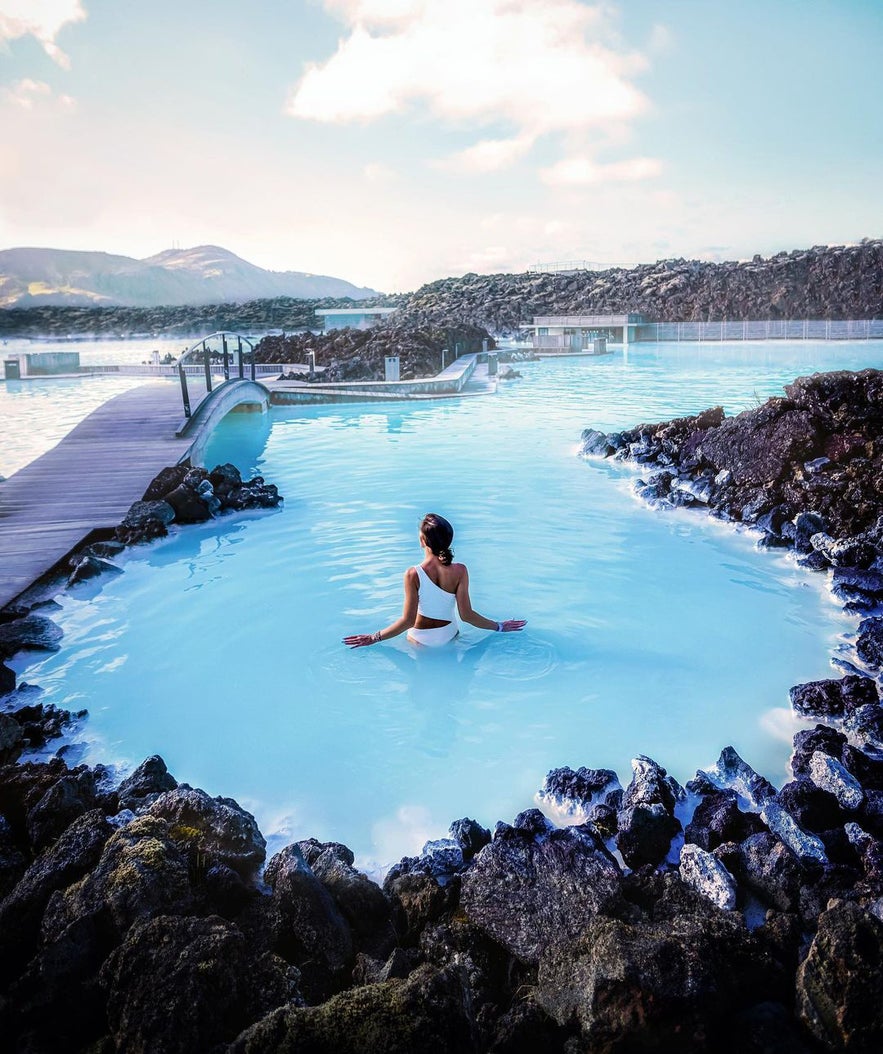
[(432, 600)]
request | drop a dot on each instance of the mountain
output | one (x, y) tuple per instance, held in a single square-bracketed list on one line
[(205, 274)]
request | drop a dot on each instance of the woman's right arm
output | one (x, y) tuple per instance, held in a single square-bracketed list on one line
[(469, 614), (406, 620)]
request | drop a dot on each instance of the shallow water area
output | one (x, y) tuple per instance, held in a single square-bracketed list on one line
[(660, 633)]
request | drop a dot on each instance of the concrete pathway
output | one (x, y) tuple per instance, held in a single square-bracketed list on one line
[(87, 481)]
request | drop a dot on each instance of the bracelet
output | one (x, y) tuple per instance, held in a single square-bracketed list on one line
[(376, 638), (499, 627)]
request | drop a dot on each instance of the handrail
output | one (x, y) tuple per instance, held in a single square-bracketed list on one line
[(201, 345)]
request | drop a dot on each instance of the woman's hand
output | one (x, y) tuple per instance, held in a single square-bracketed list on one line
[(360, 640), (513, 625)]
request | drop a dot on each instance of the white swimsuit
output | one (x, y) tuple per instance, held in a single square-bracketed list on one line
[(434, 602)]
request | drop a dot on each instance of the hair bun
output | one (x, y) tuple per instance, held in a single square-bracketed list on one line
[(445, 556)]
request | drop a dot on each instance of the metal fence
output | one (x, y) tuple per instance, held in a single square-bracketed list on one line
[(769, 329)]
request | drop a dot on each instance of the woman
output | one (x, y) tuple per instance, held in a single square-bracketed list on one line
[(435, 592)]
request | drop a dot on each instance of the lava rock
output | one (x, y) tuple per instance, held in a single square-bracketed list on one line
[(805, 846), (833, 698), (708, 876), (470, 836), (73, 856), (527, 891), (769, 869), (808, 741), (718, 818), (10, 739), (418, 901), (869, 645), (149, 780), (189, 505), (178, 985), (865, 723), (142, 873), (655, 984), (811, 806), (830, 775), (165, 481), (646, 821), (219, 827), (88, 567), (31, 633), (312, 933), (145, 521), (69, 797), (574, 792), (839, 982), (425, 1012), (732, 773), (360, 901)]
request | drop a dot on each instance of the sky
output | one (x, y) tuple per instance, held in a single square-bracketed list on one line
[(395, 142)]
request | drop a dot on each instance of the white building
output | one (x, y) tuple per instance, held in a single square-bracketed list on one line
[(570, 333)]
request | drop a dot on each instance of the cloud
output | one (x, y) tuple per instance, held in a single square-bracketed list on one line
[(43, 19), (536, 66), (29, 93), (582, 171), (489, 155)]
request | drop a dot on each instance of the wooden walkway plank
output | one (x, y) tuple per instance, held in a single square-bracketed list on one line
[(87, 481)]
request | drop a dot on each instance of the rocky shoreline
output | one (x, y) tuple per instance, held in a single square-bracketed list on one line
[(724, 915)]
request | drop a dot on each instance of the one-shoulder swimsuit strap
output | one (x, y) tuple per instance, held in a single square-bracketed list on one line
[(433, 601)]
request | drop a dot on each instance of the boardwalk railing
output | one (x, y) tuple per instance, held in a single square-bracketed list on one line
[(764, 329), (229, 352)]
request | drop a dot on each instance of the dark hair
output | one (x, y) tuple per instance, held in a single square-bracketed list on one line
[(438, 534)]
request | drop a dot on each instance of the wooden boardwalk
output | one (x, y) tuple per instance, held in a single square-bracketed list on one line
[(87, 481)]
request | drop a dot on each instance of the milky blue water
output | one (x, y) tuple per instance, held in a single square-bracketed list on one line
[(660, 633)]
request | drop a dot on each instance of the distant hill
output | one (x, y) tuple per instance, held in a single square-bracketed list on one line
[(205, 274)]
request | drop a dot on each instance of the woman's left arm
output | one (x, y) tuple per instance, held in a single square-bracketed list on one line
[(469, 614)]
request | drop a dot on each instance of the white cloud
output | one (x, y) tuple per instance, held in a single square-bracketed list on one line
[(28, 93), (489, 155), (538, 66), (582, 171), (43, 19)]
